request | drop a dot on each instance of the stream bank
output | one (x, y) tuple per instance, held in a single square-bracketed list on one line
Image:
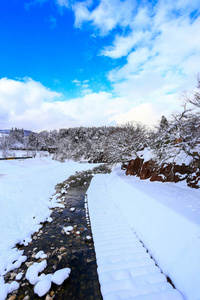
[(64, 248)]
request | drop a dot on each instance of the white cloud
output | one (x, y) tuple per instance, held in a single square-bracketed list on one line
[(164, 62), (161, 44), (122, 45), (170, 63), (142, 19), (76, 82), (81, 12), (162, 47), (145, 113), (19, 98), (106, 16), (65, 3), (83, 85), (28, 104)]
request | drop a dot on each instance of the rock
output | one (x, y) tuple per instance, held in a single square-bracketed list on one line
[(24, 284), (63, 254), (13, 275), (48, 297), (28, 264), (88, 238), (88, 260), (168, 172), (13, 297), (157, 177), (146, 170), (59, 258), (52, 293), (194, 180), (134, 166), (62, 249), (27, 297)]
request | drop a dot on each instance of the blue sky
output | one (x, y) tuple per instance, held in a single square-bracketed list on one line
[(39, 41), (88, 63)]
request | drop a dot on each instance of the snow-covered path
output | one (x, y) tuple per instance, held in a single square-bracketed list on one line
[(125, 269)]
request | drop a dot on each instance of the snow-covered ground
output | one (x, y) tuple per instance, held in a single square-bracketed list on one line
[(24, 153), (25, 190), (165, 217), (124, 211)]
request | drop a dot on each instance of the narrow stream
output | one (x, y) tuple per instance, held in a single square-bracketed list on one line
[(73, 249)]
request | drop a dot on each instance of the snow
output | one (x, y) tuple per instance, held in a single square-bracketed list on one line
[(19, 276), (49, 219), (43, 282), (178, 156), (72, 209), (146, 154), (59, 276), (125, 210), (26, 187), (7, 288), (126, 214), (34, 270), (40, 254), (181, 158), (42, 287), (67, 229)]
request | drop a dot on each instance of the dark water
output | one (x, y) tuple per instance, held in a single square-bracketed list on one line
[(73, 251)]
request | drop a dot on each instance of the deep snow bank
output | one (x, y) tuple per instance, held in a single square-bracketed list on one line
[(165, 216)]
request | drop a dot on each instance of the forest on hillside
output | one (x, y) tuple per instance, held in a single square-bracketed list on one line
[(116, 144)]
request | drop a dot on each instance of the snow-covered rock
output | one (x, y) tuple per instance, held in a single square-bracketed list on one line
[(59, 276), (34, 270), (42, 287)]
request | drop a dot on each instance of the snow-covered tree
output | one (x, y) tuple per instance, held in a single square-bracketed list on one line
[(124, 142), (4, 145), (16, 138), (181, 133), (33, 143)]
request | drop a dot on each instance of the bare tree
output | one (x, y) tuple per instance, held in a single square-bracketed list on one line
[(195, 98)]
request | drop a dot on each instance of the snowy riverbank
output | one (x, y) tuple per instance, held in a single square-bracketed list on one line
[(25, 190), (165, 217)]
